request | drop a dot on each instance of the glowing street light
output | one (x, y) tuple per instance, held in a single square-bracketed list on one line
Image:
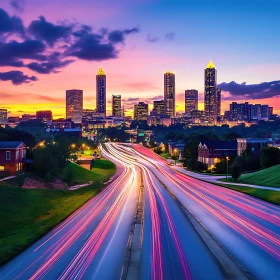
[(227, 158), (73, 146), (41, 144)]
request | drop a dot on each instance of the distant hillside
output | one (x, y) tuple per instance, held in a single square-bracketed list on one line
[(267, 177)]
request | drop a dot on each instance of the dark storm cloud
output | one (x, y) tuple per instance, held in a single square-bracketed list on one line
[(10, 24), (118, 36), (48, 32), (49, 47), (169, 36), (18, 5), (16, 77), (253, 91)]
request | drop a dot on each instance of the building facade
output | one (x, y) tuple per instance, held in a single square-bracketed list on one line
[(169, 94), (191, 101), (12, 154), (74, 105), (101, 92), (158, 108), (44, 116), (3, 115), (252, 145), (210, 92), (211, 152), (141, 111), (117, 106), (219, 102)]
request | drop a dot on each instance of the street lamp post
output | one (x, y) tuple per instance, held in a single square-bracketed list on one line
[(227, 158)]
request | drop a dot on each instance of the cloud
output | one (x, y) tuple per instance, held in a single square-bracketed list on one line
[(47, 31), (16, 77), (11, 53), (151, 39), (251, 91), (10, 24), (18, 5), (169, 36), (132, 99), (53, 62), (118, 36)]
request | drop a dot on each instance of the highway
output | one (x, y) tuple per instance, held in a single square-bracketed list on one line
[(92, 242)]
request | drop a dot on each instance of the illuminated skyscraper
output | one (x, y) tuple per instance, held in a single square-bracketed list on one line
[(210, 93), (169, 94), (44, 116), (158, 108), (191, 101), (3, 115), (219, 96), (101, 92), (116, 105), (74, 105), (141, 111)]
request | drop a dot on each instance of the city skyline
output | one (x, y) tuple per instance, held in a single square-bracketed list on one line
[(139, 54)]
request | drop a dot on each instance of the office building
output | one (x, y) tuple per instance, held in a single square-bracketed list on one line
[(74, 105), (218, 102), (101, 92), (141, 111), (191, 101), (169, 94), (28, 117), (116, 106), (158, 108), (3, 115), (44, 116), (210, 93)]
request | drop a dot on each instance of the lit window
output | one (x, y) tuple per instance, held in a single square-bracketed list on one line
[(2, 167), (8, 155)]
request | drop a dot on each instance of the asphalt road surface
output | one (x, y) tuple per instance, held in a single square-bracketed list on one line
[(91, 243)]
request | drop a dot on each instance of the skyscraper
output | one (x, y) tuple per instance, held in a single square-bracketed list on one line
[(158, 108), (101, 92), (191, 101), (219, 96), (74, 105), (44, 116), (169, 94), (116, 105), (210, 92), (3, 115), (141, 111)]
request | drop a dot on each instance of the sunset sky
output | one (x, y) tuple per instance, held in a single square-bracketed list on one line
[(47, 47)]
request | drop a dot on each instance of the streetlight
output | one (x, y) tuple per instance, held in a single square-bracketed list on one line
[(73, 146), (227, 158), (175, 152)]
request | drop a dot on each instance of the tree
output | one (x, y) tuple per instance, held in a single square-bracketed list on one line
[(191, 154), (270, 156), (235, 171), (200, 166)]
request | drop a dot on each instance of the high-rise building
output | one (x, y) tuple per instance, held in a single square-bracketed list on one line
[(218, 102), (141, 111), (3, 115), (74, 105), (101, 92), (117, 106), (210, 92), (191, 101), (44, 116), (169, 94), (158, 108)]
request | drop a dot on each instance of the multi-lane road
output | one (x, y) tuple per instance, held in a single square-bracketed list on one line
[(92, 243)]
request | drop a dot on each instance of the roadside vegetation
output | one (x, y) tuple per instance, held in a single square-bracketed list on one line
[(266, 195), (28, 214)]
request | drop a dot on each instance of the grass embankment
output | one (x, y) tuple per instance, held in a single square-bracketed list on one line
[(165, 155), (266, 195), (269, 177), (28, 214)]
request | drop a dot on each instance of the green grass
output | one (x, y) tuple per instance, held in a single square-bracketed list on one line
[(266, 195), (102, 170), (28, 214), (267, 177), (165, 155)]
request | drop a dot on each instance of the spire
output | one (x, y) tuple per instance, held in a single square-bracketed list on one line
[(101, 72), (210, 65)]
